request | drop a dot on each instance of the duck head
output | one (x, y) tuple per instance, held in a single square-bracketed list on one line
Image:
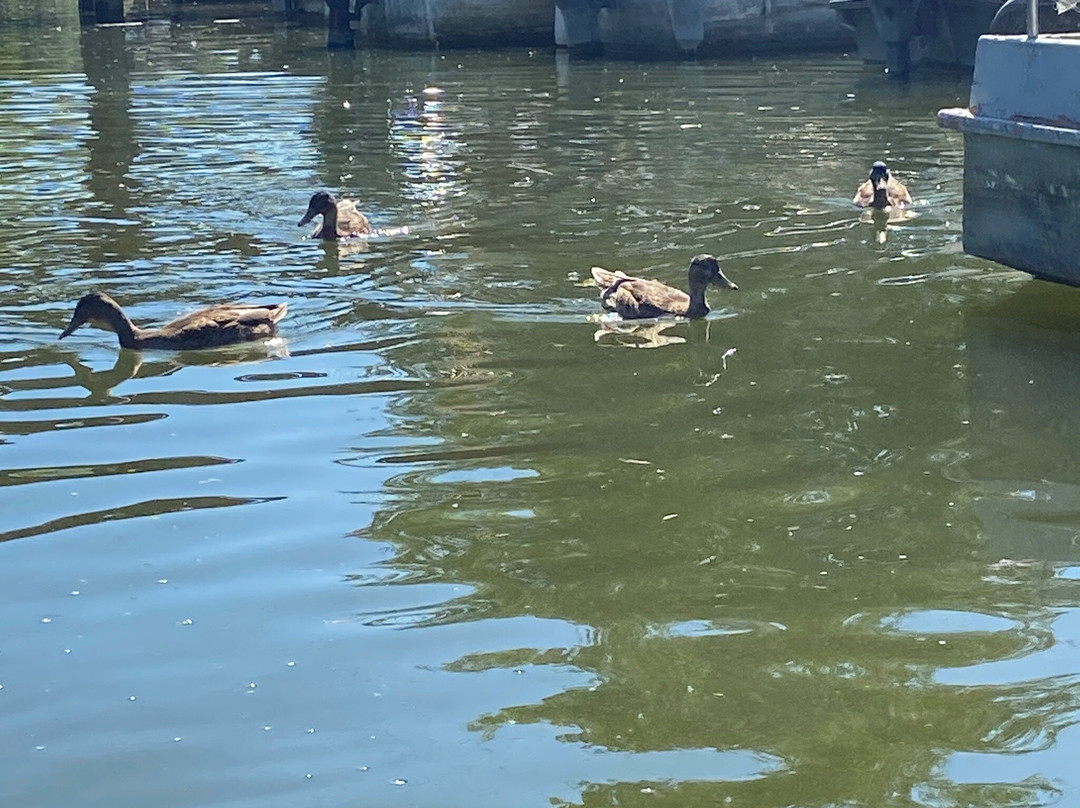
[(704, 269), (96, 308), (320, 203), (879, 181)]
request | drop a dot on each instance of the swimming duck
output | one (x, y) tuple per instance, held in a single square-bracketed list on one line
[(411, 109), (206, 328), (638, 298), (340, 219), (882, 190)]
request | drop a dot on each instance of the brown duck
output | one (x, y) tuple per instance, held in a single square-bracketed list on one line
[(205, 328), (882, 190), (340, 218), (638, 298)]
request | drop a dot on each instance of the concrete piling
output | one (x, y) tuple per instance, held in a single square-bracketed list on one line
[(895, 22), (339, 33), (97, 12)]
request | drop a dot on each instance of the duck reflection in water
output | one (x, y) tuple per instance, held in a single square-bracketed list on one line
[(630, 334), (99, 383), (614, 332), (131, 364), (885, 220)]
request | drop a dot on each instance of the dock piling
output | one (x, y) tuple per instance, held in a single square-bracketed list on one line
[(97, 12), (339, 33), (895, 23)]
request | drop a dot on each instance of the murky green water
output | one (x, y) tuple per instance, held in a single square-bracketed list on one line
[(453, 543)]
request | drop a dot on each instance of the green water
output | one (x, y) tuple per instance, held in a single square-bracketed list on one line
[(451, 541)]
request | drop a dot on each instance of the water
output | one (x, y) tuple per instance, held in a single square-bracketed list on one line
[(451, 541)]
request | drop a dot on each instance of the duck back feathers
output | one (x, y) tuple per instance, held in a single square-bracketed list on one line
[(638, 298), (216, 325)]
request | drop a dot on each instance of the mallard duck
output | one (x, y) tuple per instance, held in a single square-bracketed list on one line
[(882, 190), (638, 298), (340, 219), (206, 328)]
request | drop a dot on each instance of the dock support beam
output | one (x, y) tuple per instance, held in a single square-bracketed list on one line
[(339, 33), (895, 23), (93, 12), (577, 26), (640, 28)]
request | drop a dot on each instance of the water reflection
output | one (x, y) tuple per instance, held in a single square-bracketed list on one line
[(636, 335), (885, 219), (426, 147), (782, 626), (112, 148), (1023, 374), (100, 383)]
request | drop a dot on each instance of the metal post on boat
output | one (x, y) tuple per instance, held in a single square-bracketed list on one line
[(1033, 19)]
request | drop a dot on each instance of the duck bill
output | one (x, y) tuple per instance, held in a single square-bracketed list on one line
[(67, 332), (724, 282), (311, 214)]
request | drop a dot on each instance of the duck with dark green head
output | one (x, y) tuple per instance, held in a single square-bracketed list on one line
[(340, 218), (881, 190)]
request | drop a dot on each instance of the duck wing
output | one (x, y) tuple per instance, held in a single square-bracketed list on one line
[(218, 325), (898, 194), (610, 282), (605, 277), (864, 197), (350, 221), (638, 298)]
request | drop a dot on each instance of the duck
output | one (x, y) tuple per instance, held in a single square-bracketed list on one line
[(412, 109), (882, 190), (222, 324), (639, 298), (340, 218)]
